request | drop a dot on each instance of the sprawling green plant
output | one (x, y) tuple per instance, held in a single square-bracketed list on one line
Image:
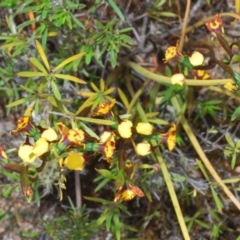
[(70, 122)]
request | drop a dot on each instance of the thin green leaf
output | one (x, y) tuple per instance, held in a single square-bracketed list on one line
[(42, 54), (87, 103), (97, 121), (32, 74), (58, 104), (123, 98), (37, 64), (106, 173), (230, 141), (94, 87), (68, 60), (101, 185), (109, 220), (95, 199), (26, 89), (235, 114), (55, 90), (18, 102), (217, 199), (69, 77), (116, 9)]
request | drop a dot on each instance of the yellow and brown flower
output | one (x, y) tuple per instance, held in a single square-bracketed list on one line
[(24, 124), (215, 25), (127, 192), (71, 137), (172, 53), (170, 137), (107, 145), (104, 109)]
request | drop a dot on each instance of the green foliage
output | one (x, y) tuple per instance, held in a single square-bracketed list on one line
[(232, 150), (47, 49), (208, 107), (74, 225)]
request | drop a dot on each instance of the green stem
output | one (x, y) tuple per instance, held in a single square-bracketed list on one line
[(164, 170), (167, 80)]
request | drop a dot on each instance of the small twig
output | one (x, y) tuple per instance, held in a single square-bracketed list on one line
[(184, 25)]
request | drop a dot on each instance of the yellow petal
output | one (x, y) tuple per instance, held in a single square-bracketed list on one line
[(125, 129), (196, 59), (143, 149), (144, 128), (25, 153), (41, 147), (178, 79), (105, 136), (49, 134), (74, 161)]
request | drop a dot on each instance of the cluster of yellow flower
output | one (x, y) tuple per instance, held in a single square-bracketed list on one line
[(73, 147)]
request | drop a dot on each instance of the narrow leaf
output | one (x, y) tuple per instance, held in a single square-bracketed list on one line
[(95, 199), (55, 90), (31, 74), (97, 121), (102, 84), (116, 9), (37, 64), (94, 87), (235, 114), (69, 77), (106, 173), (26, 89), (123, 98), (68, 60), (18, 102), (42, 54)]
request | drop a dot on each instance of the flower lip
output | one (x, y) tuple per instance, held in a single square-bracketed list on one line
[(74, 161), (41, 146), (143, 149), (144, 128), (125, 129), (49, 134), (196, 59), (178, 78), (25, 153)]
